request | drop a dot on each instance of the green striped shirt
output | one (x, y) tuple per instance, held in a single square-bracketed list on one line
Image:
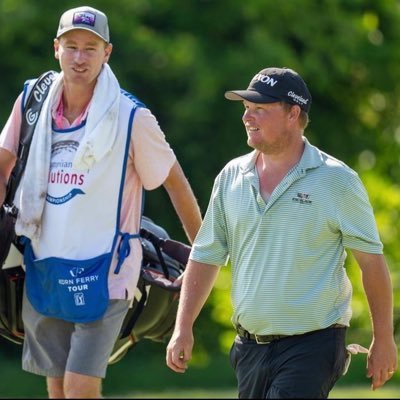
[(287, 255)]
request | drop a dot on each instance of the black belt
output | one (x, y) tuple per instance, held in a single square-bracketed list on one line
[(264, 339)]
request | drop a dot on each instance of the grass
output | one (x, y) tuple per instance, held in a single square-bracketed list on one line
[(364, 392), (339, 392)]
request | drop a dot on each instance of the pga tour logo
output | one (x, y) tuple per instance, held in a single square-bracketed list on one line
[(79, 299)]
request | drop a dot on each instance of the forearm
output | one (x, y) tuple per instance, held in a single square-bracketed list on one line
[(197, 284), (378, 289), (184, 201)]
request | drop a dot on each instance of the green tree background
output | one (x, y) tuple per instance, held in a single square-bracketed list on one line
[(179, 57)]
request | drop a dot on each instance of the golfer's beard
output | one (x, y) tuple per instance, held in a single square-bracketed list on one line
[(275, 148)]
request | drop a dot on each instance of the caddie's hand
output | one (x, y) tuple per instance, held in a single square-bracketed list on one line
[(179, 352), (178, 281), (381, 362)]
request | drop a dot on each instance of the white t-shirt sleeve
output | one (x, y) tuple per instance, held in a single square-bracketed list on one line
[(151, 153)]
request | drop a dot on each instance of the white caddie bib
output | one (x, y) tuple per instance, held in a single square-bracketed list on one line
[(67, 274)]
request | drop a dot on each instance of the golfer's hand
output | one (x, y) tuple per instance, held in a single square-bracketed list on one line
[(381, 363), (179, 351)]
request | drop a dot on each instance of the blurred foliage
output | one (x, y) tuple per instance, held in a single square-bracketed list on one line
[(179, 57)]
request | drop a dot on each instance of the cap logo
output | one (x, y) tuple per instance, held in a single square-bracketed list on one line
[(265, 79), (84, 18), (297, 98)]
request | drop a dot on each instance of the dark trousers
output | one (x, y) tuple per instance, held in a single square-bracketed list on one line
[(300, 366)]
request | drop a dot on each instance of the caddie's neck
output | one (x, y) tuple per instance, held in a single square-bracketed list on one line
[(75, 101)]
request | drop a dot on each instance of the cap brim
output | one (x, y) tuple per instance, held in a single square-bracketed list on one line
[(73, 28), (250, 95)]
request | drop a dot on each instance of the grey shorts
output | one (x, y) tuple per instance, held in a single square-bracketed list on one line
[(53, 346)]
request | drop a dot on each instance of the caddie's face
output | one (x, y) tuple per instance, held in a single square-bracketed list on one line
[(269, 126), (81, 55)]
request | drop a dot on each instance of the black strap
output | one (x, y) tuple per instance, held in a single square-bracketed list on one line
[(33, 106), (135, 315), (157, 244)]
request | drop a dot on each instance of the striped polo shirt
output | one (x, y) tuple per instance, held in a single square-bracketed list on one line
[(287, 255)]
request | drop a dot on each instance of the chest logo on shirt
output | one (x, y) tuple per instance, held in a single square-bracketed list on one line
[(302, 198), (64, 182)]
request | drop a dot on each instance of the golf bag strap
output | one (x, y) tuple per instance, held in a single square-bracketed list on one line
[(30, 116), (134, 317), (157, 244)]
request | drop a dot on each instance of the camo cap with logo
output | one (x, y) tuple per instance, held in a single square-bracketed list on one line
[(86, 18), (272, 85)]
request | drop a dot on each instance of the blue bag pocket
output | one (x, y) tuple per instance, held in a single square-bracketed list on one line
[(75, 291)]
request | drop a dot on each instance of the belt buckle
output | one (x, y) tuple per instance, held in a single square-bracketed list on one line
[(260, 341)]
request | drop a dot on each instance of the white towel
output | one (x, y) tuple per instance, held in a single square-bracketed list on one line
[(102, 121), (100, 133), (353, 348)]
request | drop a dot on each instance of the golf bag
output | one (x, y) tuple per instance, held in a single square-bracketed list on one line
[(153, 310)]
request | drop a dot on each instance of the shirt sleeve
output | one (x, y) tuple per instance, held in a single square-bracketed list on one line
[(357, 220), (210, 245), (9, 136), (151, 153)]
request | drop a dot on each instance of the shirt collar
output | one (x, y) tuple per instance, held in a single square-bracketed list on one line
[(311, 158), (58, 118)]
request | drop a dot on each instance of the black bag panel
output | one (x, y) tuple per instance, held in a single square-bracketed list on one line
[(148, 224), (167, 266), (11, 292), (8, 217)]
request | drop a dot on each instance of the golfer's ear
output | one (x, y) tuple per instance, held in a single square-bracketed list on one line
[(294, 113)]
